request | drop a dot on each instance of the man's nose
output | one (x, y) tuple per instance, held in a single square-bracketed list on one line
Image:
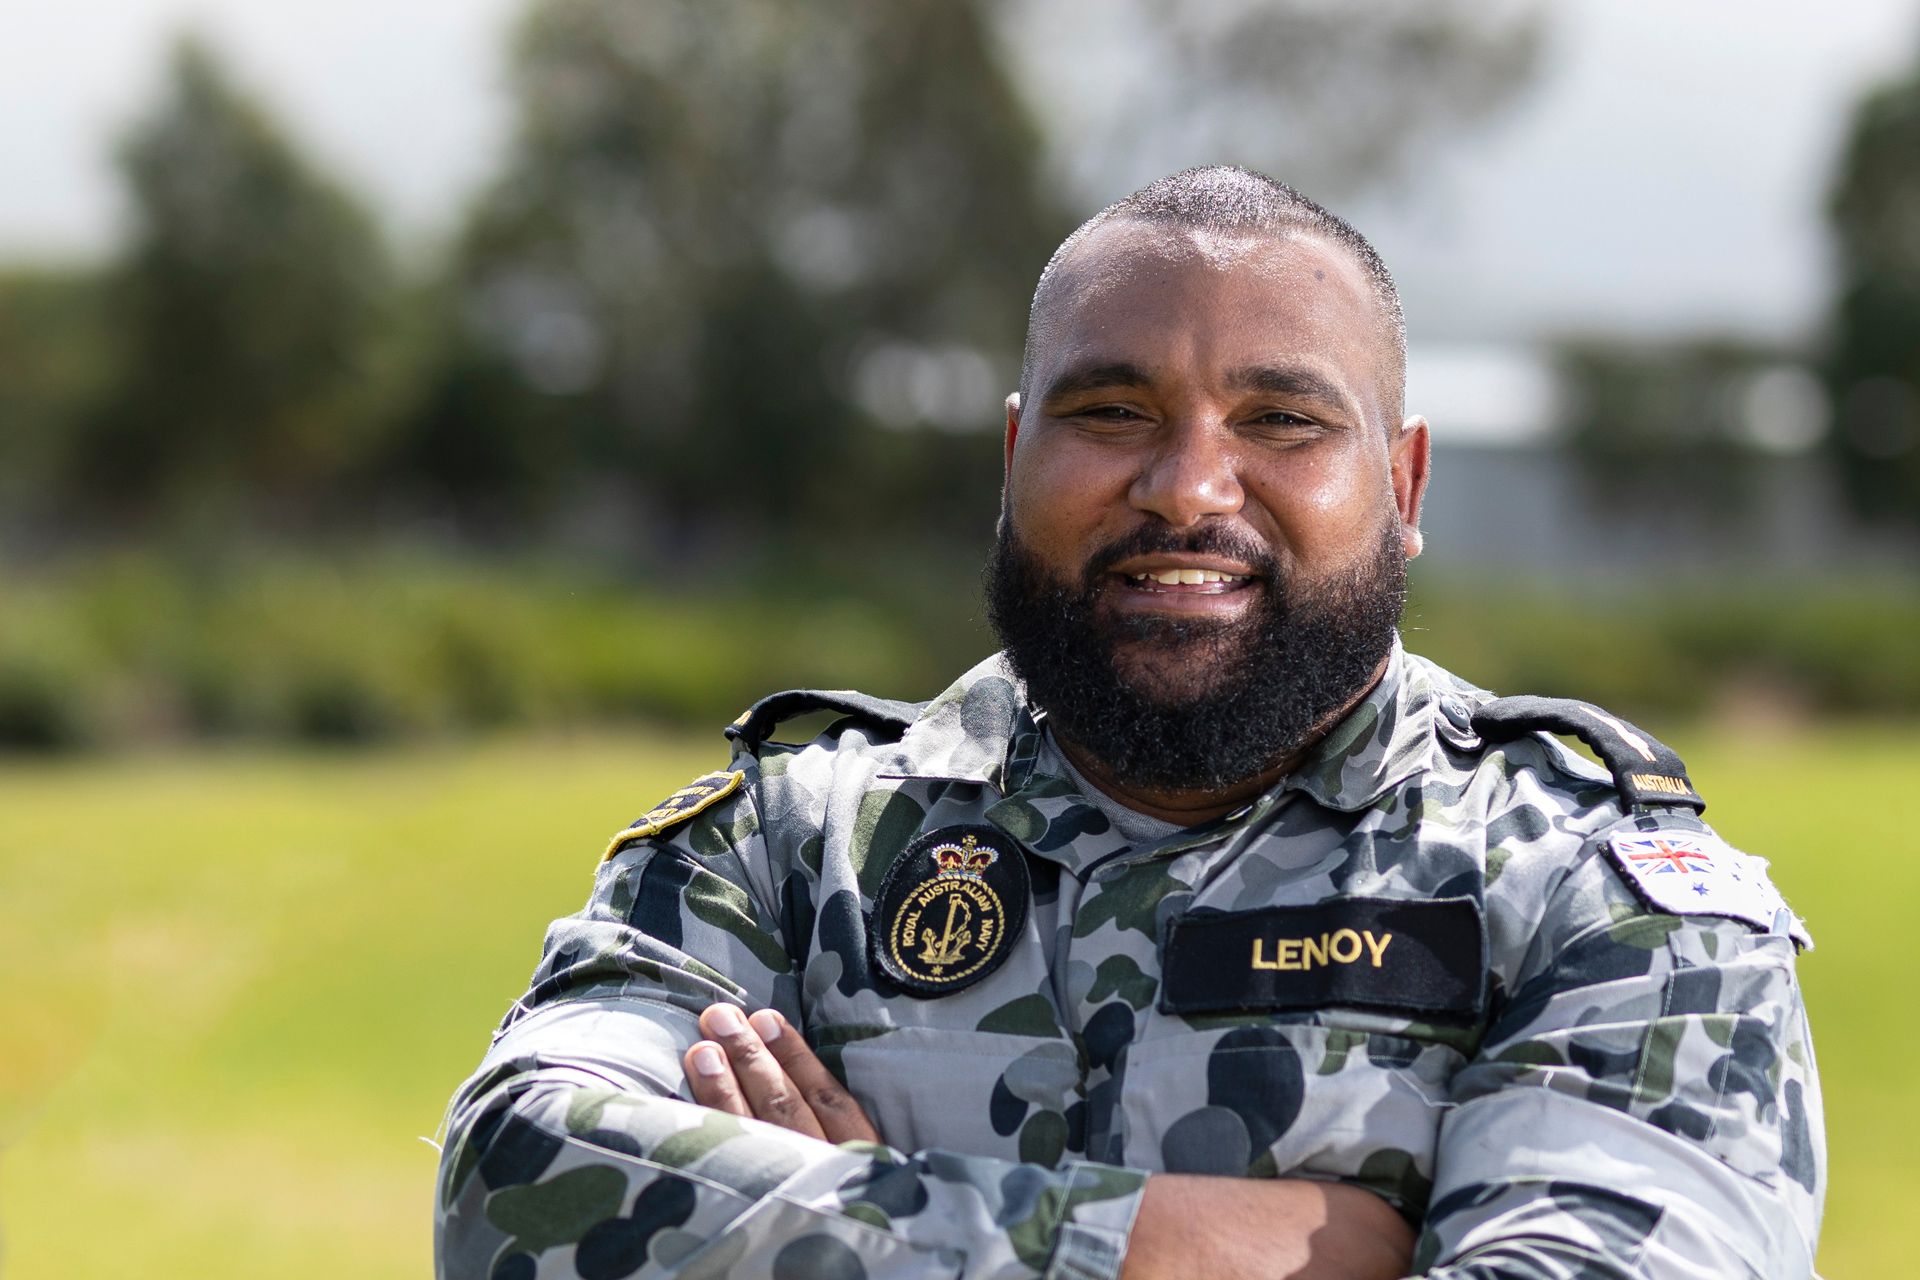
[(1193, 474)]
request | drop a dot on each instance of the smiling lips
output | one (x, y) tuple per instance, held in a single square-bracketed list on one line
[(1212, 581), (1184, 589)]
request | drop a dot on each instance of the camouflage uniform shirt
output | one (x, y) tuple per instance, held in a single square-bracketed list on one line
[(1565, 1069)]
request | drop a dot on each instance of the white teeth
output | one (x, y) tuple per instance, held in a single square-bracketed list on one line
[(1186, 577)]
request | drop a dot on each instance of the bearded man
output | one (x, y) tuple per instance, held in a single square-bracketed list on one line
[(1202, 931)]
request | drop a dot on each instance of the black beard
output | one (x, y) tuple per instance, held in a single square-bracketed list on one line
[(1277, 675)]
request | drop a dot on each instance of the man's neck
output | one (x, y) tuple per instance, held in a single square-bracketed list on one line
[(1190, 807)]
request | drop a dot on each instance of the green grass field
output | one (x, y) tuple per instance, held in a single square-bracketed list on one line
[(239, 987)]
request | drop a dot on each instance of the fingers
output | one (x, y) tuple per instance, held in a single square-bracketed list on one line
[(710, 1079), (835, 1110), (762, 1067), (757, 1080)]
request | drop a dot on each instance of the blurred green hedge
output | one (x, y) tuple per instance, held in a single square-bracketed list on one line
[(1679, 649), (383, 646), (132, 649)]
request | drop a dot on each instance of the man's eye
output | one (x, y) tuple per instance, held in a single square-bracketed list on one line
[(1101, 416), (1282, 418)]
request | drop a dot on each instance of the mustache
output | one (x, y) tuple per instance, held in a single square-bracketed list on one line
[(1206, 539)]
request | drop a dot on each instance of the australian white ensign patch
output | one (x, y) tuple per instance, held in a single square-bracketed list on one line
[(1695, 873)]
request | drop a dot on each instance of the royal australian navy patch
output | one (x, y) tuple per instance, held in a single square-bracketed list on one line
[(1695, 873), (701, 793), (950, 909)]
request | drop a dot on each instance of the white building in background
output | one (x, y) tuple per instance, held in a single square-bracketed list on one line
[(1509, 497)]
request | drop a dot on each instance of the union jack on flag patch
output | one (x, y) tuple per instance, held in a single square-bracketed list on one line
[(1695, 873), (1666, 853)]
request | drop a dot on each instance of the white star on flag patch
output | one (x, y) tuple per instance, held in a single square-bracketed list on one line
[(1695, 873)]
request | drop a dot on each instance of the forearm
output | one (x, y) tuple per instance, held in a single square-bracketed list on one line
[(1288, 1229), (554, 1156)]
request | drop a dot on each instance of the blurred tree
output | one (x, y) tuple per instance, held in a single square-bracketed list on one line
[(1334, 98), (731, 240), (244, 319), (1874, 359), (52, 362), (713, 220)]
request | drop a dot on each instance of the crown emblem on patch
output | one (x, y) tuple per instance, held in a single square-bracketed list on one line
[(966, 858), (950, 910)]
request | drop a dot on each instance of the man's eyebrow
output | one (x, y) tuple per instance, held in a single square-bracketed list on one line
[(1096, 377), (1288, 380)]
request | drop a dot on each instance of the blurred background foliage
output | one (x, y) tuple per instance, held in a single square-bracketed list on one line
[(718, 351), (737, 310)]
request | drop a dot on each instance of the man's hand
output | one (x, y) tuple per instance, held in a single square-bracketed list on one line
[(761, 1067)]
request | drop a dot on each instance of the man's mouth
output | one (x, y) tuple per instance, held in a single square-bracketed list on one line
[(1189, 586), (1204, 581), (1187, 581)]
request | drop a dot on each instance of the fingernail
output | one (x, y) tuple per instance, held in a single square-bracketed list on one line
[(726, 1020), (767, 1023), (708, 1062)]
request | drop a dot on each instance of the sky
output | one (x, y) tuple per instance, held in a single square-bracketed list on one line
[(1664, 174), (404, 99), (1667, 172)]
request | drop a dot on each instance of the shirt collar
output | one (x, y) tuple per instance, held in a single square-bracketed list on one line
[(977, 730), (1386, 739)]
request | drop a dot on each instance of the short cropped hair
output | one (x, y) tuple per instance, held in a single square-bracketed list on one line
[(1230, 200)]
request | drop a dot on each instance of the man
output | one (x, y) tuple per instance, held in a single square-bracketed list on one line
[(1203, 931)]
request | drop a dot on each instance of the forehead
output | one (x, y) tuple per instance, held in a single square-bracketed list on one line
[(1170, 297)]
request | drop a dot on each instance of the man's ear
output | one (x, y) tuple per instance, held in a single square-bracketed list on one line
[(1013, 433), (1411, 452)]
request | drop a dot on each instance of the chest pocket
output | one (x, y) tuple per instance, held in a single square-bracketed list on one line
[(1336, 1096), (987, 1070), (1009, 1096)]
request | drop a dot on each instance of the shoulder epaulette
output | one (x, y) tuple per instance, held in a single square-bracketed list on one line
[(760, 719), (696, 797), (1647, 771)]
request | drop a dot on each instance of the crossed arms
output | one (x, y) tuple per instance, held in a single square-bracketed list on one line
[(569, 1155), (757, 1066)]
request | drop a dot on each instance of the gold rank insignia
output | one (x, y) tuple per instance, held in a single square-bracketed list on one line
[(950, 909), (702, 793)]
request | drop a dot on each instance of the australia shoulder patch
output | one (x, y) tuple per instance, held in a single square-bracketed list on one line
[(1695, 873), (950, 910), (702, 793)]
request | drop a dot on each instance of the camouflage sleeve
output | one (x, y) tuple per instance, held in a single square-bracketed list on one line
[(1645, 1104), (573, 1151)]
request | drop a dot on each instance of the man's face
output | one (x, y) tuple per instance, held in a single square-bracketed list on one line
[(1204, 498)]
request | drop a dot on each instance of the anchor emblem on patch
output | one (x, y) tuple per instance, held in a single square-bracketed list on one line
[(949, 910)]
